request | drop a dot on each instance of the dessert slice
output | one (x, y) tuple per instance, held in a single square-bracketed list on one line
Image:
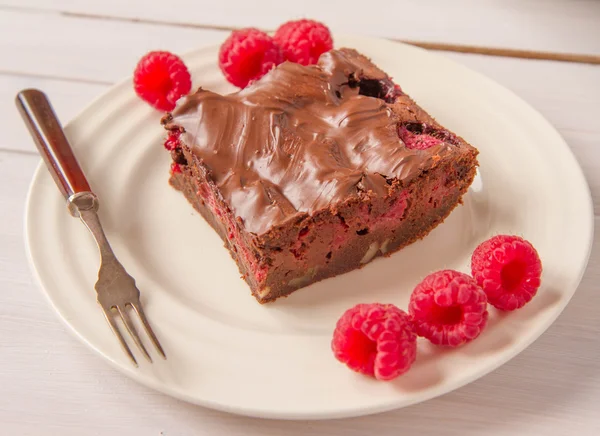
[(314, 171)]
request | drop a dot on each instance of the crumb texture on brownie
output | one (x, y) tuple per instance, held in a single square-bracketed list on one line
[(313, 171), (304, 138)]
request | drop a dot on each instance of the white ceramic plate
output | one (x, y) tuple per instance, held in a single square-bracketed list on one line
[(226, 351)]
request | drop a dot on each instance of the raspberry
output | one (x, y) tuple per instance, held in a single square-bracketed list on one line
[(417, 141), (508, 269), (247, 55), (303, 41), (376, 340), (448, 308), (175, 168), (172, 141), (160, 79)]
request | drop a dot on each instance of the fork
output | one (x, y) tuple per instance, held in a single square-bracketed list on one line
[(117, 293)]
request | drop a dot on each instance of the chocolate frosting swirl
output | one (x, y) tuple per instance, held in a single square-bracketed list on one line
[(300, 139)]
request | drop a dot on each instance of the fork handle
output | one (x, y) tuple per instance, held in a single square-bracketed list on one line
[(51, 142)]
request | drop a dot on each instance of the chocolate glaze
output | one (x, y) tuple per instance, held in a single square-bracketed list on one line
[(300, 139)]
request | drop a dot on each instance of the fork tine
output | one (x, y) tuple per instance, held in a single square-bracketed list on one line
[(115, 329), (138, 309), (131, 329)]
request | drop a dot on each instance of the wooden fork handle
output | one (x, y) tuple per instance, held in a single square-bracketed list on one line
[(51, 142)]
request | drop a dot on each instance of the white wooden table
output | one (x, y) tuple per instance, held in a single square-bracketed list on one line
[(50, 384)]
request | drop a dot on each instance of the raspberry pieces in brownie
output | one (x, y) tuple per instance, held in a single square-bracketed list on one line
[(313, 171)]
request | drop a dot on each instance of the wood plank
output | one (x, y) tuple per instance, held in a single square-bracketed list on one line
[(53, 45), (547, 25), (567, 94), (572, 105), (53, 385), (507, 52), (67, 97), (115, 56)]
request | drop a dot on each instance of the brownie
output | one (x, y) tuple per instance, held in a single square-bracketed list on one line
[(313, 171)]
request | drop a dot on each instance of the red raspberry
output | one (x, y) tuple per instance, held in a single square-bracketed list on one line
[(172, 141), (417, 141), (175, 168), (376, 340), (247, 55), (303, 41), (508, 269), (160, 79), (448, 308)]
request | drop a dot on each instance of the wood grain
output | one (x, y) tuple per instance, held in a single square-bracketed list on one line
[(541, 25), (51, 384), (548, 86), (68, 98), (99, 51), (507, 52)]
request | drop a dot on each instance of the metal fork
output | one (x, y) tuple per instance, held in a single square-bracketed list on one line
[(115, 288)]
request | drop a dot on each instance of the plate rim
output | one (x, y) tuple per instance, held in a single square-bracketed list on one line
[(346, 412)]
